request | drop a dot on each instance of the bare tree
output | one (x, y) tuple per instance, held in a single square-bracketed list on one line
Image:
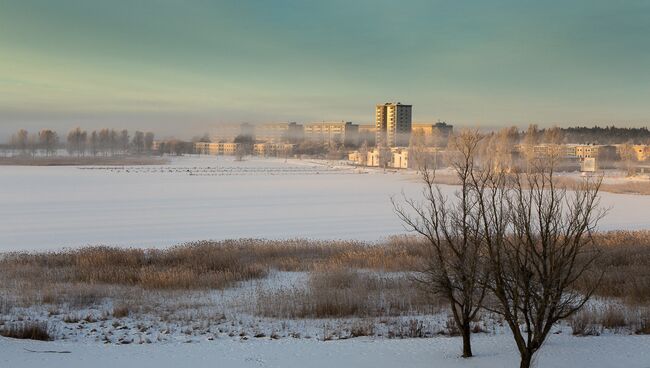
[(148, 141), (76, 141), (240, 152), (363, 153), (452, 229), (138, 142), (49, 141), (113, 141), (33, 143), (104, 141), (20, 141), (124, 141), (93, 143), (628, 156), (538, 243), (530, 139), (385, 156)]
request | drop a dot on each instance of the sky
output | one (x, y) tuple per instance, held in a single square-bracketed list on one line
[(184, 67)]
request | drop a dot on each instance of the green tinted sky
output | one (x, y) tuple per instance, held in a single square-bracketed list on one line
[(179, 63)]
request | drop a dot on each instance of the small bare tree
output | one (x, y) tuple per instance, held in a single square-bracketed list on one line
[(452, 229), (49, 141), (538, 245)]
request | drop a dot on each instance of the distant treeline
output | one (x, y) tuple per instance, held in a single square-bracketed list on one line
[(607, 135), (584, 135), (105, 142)]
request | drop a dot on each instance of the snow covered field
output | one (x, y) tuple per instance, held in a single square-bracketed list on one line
[(491, 352), (216, 198)]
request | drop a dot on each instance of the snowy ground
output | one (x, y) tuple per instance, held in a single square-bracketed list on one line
[(491, 351), (216, 198)]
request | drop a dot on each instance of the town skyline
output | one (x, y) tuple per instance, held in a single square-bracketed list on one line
[(186, 67)]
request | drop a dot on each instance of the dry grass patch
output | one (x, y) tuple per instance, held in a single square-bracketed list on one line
[(29, 330), (27, 160), (624, 265), (346, 292)]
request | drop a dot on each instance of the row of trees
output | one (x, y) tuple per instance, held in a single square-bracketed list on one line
[(79, 142), (533, 135), (512, 243), (45, 140)]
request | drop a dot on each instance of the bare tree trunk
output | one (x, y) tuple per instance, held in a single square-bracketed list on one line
[(467, 339)]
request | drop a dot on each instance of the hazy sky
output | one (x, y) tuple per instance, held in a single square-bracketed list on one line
[(174, 65)]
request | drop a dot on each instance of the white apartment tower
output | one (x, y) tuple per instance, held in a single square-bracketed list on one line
[(393, 122)]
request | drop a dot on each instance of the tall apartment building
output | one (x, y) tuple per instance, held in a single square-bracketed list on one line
[(393, 122)]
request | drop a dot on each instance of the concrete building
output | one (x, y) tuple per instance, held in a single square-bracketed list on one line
[(395, 157), (400, 159), (393, 124), (333, 133), (216, 148), (588, 165), (206, 148), (374, 158), (280, 132), (273, 149), (367, 134), (433, 134)]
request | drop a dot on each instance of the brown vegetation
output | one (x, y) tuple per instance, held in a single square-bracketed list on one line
[(339, 285), (31, 330), (26, 160), (342, 292), (624, 266)]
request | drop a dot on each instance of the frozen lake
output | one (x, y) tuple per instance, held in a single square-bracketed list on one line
[(198, 198)]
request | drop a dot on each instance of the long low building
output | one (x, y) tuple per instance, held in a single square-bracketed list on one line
[(208, 148), (273, 149)]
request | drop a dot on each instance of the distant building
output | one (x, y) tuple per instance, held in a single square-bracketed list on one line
[(588, 165), (367, 134), (393, 124), (433, 134), (216, 148), (207, 148), (400, 159), (280, 132), (273, 149), (333, 133), (394, 157)]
